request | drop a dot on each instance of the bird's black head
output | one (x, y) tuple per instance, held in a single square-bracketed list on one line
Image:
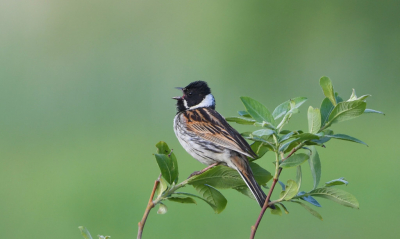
[(196, 94)]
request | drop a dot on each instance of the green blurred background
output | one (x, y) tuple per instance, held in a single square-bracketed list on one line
[(86, 91)]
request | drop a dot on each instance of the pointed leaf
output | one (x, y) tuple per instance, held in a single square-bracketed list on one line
[(282, 185), (259, 148), (182, 199), (353, 95), (327, 88), (373, 111), (276, 211), (346, 111), (306, 136), (315, 166), (212, 196), (244, 113), (290, 191), (283, 108), (167, 168), (326, 109), (162, 148), (263, 132), (346, 137), (284, 208), (310, 210), (240, 120), (339, 181), (337, 195), (286, 145), (224, 177), (286, 137), (257, 110), (298, 177), (162, 209), (85, 232), (294, 160), (308, 199), (314, 120), (193, 196), (245, 191)]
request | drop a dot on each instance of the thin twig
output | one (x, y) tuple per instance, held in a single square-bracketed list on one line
[(150, 205), (266, 204)]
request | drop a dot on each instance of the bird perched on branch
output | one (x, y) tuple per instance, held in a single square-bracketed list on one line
[(207, 137)]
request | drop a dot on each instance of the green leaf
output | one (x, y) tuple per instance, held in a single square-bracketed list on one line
[(287, 117), (286, 145), (346, 137), (182, 199), (290, 190), (167, 168), (245, 191), (161, 187), (298, 177), (338, 98), (315, 166), (283, 108), (346, 111), (276, 211), (326, 109), (104, 237), (308, 199), (162, 148), (282, 185), (223, 177), (284, 208), (314, 120), (244, 113), (263, 132), (310, 210), (306, 136), (286, 137), (257, 110), (294, 160), (241, 120), (327, 88), (354, 97), (162, 208), (259, 148), (337, 195), (212, 196), (339, 181), (373, 111), (85, 232)]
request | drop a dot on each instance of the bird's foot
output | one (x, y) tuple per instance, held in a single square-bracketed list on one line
[(203, 170)]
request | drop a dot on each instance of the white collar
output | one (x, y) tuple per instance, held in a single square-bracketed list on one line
[(206, 102)]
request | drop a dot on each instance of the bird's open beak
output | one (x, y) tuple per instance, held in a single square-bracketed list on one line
[(178, 97)]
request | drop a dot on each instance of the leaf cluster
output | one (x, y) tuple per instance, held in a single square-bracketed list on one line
[(271, 136)]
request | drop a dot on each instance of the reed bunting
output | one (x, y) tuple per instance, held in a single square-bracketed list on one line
[(207, 137)]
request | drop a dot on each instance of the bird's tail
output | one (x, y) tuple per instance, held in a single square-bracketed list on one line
[(243, 167)]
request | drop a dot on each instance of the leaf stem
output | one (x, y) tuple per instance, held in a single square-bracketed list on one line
[(278, 171), (150, 205)]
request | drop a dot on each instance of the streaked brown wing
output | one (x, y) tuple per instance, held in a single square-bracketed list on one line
[(210, 125)]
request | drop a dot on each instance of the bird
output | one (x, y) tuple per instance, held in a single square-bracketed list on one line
[(207, 136)]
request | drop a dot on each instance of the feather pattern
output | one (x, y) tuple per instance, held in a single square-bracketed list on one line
[(209, 125)]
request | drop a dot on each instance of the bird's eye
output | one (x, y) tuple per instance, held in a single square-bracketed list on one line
[(190, 93)]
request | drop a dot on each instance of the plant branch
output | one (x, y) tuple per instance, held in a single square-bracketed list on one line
[(150, 205), (278, 171)]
